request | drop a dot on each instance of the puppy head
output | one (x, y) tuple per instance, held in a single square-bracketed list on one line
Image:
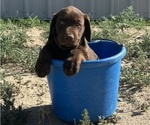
[(69, 27)]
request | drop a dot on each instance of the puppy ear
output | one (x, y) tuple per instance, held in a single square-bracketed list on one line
[(87, 32), (52, 27)]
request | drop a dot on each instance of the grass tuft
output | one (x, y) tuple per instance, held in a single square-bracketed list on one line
[(85, 118), (10, 115)]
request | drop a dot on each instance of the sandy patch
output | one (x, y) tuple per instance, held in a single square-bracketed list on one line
[(35, 37)]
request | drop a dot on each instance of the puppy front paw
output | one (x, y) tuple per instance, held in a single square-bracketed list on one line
[(42, 68), (71, 66)]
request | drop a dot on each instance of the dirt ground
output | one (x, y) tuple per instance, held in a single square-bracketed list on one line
[(33, 94)]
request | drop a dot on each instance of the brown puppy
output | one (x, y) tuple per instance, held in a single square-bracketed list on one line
[(69, 32)]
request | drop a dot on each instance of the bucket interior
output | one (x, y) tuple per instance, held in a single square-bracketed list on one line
[(105, 48)]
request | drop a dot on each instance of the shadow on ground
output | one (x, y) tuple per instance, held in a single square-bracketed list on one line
[(43, 115)]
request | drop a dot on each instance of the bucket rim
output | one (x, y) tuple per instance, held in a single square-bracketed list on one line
[(102, 62)]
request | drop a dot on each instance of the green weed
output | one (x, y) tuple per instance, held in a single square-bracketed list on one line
[(102, 121), (128, 18), (13, 47), (10, 115), (114, 119), (138, 73), (85, 118)]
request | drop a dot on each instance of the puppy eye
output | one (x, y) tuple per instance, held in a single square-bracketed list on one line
[(78, 25)]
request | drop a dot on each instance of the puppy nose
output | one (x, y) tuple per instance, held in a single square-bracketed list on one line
[(69, 37)]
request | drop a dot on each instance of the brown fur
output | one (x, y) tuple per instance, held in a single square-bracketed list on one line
[(69, 32)]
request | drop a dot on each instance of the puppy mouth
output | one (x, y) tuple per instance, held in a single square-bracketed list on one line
[(67, 47)]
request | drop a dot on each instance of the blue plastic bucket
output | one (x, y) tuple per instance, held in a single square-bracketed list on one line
[(94, 87)]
